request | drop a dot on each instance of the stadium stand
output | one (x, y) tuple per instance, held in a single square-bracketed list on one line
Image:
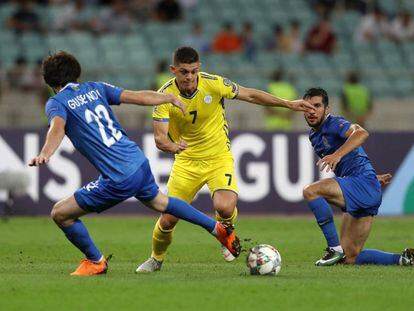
[(130, 59)]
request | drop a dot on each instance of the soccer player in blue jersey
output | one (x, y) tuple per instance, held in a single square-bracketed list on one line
[(356, 189), (82, 111)]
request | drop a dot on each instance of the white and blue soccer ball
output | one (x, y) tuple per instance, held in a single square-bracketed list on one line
[(264, 259)]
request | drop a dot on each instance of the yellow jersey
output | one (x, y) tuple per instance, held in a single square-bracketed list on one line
[(204, 127)]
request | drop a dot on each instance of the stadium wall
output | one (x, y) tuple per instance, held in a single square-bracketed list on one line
[(271, 169)]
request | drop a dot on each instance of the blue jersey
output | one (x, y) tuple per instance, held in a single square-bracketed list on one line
[(94, 129), (330, 137)]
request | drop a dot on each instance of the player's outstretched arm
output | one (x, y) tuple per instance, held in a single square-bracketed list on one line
[(263, 98), (163, 142), (150, 98), (53, 139), (356, 136)]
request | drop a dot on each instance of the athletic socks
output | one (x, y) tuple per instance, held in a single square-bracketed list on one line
[(79, 236), (185, 211), (377, 257), (231, 219), (161, 239), (324, 217)]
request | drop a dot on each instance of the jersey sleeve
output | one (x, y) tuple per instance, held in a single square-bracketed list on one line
[(53, 108), (161, 113), (113, 93), (341, 126), (228, 89)]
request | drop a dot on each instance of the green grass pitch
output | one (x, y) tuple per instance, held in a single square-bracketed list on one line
[(35, 260)]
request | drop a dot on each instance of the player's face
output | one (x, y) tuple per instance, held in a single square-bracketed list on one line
[(186, 76), (316, 118)]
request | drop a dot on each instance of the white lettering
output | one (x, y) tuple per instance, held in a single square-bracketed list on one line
[(259, 171), (83, 99), (11, 161), (287, 190), (159, 166), (67, 170)]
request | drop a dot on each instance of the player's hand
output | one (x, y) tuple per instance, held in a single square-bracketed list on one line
[(384, 179), (180, 147), (39, 160), (178, 103), (329, 162), (301, 105)]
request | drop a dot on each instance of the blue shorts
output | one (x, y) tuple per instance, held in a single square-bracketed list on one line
[(362, 193), (102, 194)]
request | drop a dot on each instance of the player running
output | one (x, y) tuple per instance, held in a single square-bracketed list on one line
[(83, 113), (200, 142), (356, 189)]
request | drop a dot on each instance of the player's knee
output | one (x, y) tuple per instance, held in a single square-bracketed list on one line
[(167, 223), (56, 214), (350, 260), (351, 255), (310, 192), (225, 209)]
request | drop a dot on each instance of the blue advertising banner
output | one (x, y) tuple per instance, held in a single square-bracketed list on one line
[(271, 169)]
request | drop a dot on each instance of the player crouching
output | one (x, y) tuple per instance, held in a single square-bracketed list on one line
[(356, 189)]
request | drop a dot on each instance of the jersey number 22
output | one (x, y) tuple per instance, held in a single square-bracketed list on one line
[(102, 113)]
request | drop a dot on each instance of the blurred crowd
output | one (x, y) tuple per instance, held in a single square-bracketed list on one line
[(120, 17)]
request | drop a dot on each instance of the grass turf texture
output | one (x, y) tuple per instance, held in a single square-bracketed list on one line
[(35, 260)]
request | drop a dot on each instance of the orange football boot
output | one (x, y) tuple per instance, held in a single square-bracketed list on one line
[(88, 267), (227, 237)]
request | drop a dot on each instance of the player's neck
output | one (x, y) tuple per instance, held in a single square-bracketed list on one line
[(59, 88), (316, 128), (187, 91), (56, 89)]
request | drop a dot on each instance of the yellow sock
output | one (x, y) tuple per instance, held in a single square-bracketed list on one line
[(231, 219), (161, 239)]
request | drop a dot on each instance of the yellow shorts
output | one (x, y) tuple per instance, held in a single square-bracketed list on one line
[(189, 176)]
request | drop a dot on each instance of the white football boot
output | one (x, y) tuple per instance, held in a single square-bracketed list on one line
[(150, 265)]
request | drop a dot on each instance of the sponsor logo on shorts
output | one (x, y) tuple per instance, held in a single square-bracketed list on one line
[(92, 185)]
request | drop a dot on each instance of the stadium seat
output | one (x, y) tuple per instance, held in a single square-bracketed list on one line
[(343, 63), (318, 62), (380, 87), (403, 87), (58, 42)]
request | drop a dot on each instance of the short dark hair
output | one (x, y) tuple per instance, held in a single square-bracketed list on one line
[(317, 91), (60, 68), (185, 55)]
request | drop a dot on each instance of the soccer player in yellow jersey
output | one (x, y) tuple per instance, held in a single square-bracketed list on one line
[(200, 142)]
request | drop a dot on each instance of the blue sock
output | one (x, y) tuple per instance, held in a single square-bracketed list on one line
[(79, 236), (185, 211), (324, 216), (376, 257)]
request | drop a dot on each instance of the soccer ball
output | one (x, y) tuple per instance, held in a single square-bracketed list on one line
[(264, 260)]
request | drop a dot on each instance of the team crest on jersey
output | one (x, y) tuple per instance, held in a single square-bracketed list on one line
[(227, 82), (325, 142), (208, 99)]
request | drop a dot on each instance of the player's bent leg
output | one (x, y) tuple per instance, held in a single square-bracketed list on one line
[(65, 213), (180, 209), (162, 236), (317, 196), (224, 202), (354, 233)]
